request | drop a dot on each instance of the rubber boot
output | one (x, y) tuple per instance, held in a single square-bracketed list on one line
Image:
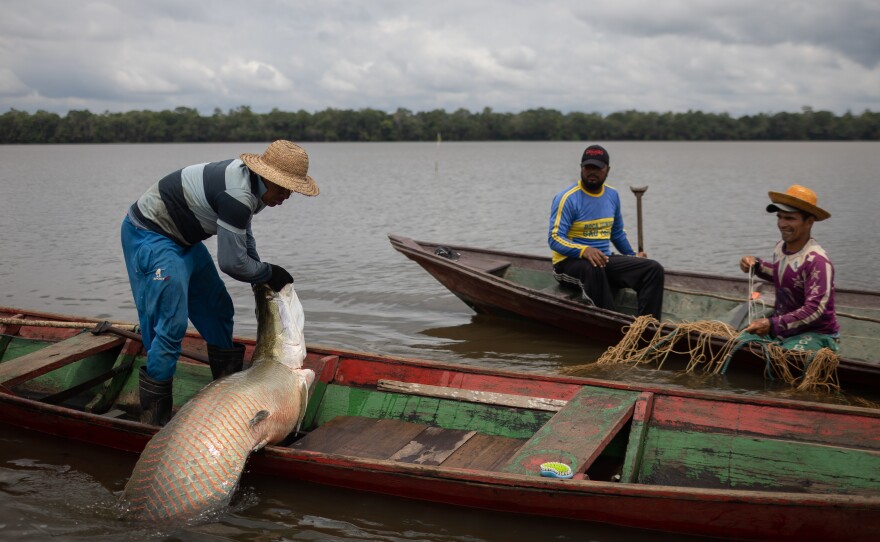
[(225, 361), (156, 399)]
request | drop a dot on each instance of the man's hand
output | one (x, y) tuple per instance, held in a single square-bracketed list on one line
[(595, 257), (642, 254), (759, 327), (746, 263), (279, 279)]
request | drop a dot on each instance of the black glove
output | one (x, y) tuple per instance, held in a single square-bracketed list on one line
[(279, 279)]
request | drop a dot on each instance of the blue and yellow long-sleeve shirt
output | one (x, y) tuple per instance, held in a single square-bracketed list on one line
[(579, 220)]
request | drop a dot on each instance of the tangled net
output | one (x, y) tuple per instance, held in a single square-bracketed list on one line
[(806, 370)]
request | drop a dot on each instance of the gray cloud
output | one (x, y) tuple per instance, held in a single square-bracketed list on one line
[(739, 57), (851, 28)]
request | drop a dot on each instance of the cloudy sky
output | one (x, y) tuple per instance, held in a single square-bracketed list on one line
[(734, 56)]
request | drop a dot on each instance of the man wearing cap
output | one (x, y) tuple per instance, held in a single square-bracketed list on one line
[(803, 315), (585, 220), (171, 273)]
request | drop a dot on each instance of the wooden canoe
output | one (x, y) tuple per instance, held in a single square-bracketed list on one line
[(673, 460), (522, 286)]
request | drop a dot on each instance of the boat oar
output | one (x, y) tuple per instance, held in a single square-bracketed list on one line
[(638, 191)]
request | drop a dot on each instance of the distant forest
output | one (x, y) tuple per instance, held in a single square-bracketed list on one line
[(241, 124)]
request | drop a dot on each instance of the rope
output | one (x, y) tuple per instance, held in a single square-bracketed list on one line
[(807, 370), (658, 348)]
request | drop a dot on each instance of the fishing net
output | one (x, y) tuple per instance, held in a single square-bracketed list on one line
[(698, 342)]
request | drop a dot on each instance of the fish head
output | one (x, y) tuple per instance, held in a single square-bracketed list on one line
[(280, 324)]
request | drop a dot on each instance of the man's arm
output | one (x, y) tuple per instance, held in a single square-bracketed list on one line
[(251, 244), (234, 259), (761, 268), (560, 223), (236, 247), (764, 270)]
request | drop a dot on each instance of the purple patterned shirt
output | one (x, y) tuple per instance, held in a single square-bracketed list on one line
[(804, 284)]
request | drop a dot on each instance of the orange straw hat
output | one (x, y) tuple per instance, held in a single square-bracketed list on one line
[(797, 198), (286, 164)]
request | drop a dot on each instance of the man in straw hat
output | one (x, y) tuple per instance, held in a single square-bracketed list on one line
[(803, 316), (172, 275), (585, 220)]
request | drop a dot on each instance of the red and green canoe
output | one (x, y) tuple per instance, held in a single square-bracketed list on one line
[(681, 461)]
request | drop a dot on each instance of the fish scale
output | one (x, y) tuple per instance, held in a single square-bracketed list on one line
[(192, 465)]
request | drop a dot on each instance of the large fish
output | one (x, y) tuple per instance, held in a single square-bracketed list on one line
[(192, 465)]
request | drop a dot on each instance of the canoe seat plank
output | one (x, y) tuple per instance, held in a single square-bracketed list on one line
[(29, 366), (408, 442), (472, 396), (577, 434)]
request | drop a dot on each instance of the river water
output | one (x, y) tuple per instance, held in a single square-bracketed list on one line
[(61, 207)]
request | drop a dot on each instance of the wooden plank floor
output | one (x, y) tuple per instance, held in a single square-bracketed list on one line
[(484, 452), (432, 446), (360, 437), (408, 442), (21, 369)]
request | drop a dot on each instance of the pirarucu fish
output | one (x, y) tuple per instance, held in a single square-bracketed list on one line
[(191, 467)]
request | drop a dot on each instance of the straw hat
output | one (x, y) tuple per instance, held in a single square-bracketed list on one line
[(286, 164), (797, 198)]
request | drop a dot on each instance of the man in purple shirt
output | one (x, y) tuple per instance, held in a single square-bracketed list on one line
[(803, 316)]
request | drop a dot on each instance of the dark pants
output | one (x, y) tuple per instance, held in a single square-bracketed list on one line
[(641, 274)]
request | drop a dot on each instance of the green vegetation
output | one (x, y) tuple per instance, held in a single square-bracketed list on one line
[(241, 124)]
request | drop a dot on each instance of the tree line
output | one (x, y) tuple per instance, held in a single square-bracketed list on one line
[(243, 125)]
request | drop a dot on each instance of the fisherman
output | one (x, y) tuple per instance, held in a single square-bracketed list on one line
[(803, 316), (172, 275), (585, 219)]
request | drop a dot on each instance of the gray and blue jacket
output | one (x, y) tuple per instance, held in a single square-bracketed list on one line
[(198, 201)]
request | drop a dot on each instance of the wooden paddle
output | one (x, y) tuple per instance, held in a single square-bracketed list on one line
[(638, 191)]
